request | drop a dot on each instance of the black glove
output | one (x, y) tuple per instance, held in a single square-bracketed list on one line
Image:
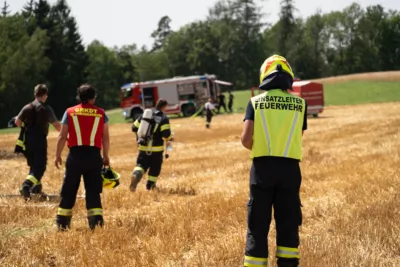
[(11, 123), (166, 156)]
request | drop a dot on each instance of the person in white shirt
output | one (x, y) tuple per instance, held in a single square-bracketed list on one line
[(209, 107)]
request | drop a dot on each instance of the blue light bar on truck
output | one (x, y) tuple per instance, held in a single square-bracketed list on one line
[(127, 85)]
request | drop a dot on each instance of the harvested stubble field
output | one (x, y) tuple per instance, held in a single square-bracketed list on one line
[(350, 193)]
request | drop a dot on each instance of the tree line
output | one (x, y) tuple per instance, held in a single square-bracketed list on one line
[(41, 44)]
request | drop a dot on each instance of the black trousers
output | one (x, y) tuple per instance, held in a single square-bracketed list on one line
[(36, 156), (151, 163), (221, 105), (209, 116), (274, 183), (230, 104), (86, 162)]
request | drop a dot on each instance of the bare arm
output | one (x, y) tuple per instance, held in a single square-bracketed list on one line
[(247, 134), (57, 125), (106, 144), (21, 117), (62, 139), (53, 119), (18, 122)]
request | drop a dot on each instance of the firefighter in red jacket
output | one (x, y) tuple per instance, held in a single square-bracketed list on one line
[(86, 128)]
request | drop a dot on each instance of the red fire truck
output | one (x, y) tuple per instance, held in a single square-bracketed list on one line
[(184, 94), (312, 92)]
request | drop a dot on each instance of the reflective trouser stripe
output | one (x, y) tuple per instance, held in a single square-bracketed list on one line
[(153, 149), (32, 179), (152, 178), (255, 262), (264, 121), (137, 168), (286, 252), (136, 123), (95, 211), (77, 130), (167, 138), (64, 212), (288, 142), (165, 127), (94, 130), (21, 144)]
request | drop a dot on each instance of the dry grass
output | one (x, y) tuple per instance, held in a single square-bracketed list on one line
[(350, 193), (385, 76)]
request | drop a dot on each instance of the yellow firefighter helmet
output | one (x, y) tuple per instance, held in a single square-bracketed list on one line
[(110, 177), (274, 64)]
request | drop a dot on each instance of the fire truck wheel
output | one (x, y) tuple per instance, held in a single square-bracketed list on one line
[(315, 115), (188, 110)]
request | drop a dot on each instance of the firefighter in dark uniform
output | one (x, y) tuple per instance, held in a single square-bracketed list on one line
[(86, 128), (230, 102), (273, 130), (34, 120), (150, 156), (221, 102)]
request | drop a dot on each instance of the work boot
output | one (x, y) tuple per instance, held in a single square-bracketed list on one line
[(26, 189), (43, 197), (63, 223), (288, 262), (95, 221), (135, 179), (25, 192), (37, 188), (150, 185)]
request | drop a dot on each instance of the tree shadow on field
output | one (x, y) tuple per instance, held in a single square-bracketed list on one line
[(319, 117), (5, 155), (179, 190), (37, 198)]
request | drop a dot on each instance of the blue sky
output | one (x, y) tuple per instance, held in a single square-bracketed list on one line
[(120, 22)]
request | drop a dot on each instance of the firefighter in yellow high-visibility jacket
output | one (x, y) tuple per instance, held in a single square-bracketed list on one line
[(273, 128)]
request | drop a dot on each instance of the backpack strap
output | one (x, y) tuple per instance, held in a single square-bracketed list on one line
[(157, 120), (34, 116)]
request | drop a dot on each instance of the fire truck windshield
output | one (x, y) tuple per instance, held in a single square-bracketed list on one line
[(127, 93)]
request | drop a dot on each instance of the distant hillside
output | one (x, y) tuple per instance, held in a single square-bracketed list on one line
[(385, 76)]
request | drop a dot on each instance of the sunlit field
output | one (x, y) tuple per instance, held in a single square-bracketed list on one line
[(350, 194)]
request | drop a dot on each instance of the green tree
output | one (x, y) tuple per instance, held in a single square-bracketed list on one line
[(5, 9), (236, 26), (103, 71), (29, 16), (162, 32), (177, 50), (126, 58), (309, 41), (65, 50), (286, 26), (24, 64)]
